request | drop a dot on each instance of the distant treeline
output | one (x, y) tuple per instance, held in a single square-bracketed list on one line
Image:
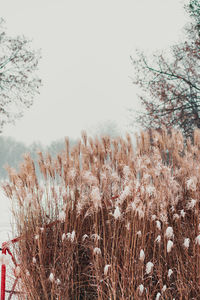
[(12, 151)]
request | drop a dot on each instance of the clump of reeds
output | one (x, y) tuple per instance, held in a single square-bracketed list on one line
[(109, 221)]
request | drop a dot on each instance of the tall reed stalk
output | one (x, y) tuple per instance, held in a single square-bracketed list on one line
[(126, 221)]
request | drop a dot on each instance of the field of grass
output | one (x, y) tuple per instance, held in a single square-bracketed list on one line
[(126, 219)]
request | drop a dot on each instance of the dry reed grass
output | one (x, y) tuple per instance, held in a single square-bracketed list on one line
[(126, 220)]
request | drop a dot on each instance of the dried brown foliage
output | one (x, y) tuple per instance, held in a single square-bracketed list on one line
[(126, 220)]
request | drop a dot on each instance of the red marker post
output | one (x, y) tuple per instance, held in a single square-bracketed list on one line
[(3, 276)]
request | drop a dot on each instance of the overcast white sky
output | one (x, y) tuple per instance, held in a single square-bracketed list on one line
[(85, 68)]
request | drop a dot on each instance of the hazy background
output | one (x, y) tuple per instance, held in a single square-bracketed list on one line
[(86, 68)]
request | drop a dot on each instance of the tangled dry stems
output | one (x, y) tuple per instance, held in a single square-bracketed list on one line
[(126, 221)]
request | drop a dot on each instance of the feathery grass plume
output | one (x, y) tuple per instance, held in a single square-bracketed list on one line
[(191, 204), (149, 267), (182, 213), (96, 197), (141, 289), (186, 243), (158, 225), (169, 232), (192, 183), (158, 296), (97, 251), (164, 288), (142, 255), (106, 268), (62, 216), (169, 246), (117, 213), (198, 240), (72, 225), (63, 237), (158, 239), (70, 236), (170, 272), (176, 217), (58, 282), (51, 277), (34, 260), (153, 217)]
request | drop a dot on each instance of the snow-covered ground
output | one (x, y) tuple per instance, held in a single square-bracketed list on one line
[(5, 218)]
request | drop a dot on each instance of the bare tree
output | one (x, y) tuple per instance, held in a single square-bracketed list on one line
[(18, 81), (171, 84), (194, 10)]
